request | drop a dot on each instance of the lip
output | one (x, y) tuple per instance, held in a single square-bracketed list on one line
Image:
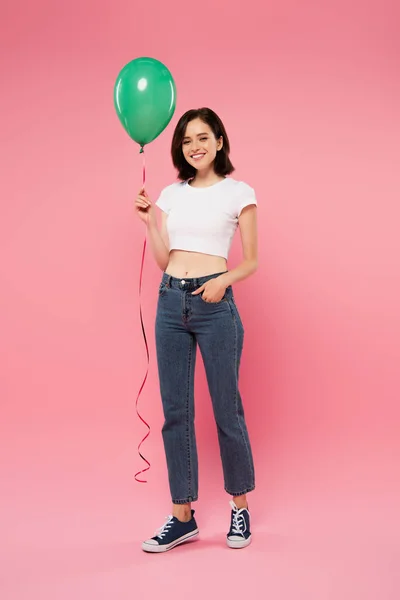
[(197, 156)]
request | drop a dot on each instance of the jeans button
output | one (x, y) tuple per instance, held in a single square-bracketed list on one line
[(183, 282)]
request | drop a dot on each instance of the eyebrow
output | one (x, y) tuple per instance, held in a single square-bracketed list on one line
[(187, 137)]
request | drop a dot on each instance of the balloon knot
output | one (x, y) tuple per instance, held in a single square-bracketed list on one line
[(141, 150)]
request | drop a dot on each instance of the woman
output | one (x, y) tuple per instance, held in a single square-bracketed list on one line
[(200, 214)]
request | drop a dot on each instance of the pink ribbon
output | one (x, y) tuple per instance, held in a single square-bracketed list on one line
[(146, 345)]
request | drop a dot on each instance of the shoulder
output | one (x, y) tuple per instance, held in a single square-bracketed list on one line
[(168, 194), (239, 187), (242, 195), (172, 188)]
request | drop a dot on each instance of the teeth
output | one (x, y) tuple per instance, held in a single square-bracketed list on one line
[(197, 155)]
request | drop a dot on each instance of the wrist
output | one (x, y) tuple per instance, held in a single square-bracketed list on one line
[(225, 279), (152, 225)]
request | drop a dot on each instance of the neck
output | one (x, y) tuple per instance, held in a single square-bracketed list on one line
[(206, 177)]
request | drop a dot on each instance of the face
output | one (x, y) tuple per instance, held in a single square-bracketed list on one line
[(199, 145)]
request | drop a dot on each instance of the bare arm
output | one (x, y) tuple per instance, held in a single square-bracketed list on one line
[(248, 233), (159, 242)]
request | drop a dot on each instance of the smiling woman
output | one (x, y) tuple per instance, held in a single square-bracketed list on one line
[(196, 306), (203, 140), (200, 134)]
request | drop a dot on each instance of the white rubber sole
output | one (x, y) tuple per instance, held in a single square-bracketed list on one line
[(238, 543), (185, 538)]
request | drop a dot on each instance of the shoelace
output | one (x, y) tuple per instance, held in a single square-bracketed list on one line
[(238, 522), (164, 528)]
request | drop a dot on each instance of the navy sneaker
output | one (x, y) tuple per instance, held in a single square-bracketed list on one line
[(239, 534), (172, 533)]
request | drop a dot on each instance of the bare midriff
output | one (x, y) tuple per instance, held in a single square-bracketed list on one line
[(194, 264)]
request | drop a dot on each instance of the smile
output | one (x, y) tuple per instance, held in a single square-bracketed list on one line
[(197, 156)]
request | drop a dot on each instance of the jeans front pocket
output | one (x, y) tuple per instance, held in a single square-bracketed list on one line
[(223, 299), (162, 289)]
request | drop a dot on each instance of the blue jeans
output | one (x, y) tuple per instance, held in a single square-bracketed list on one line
[(182, 322)]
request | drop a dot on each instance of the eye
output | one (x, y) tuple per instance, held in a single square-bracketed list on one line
[(203, 139), (186, 142)]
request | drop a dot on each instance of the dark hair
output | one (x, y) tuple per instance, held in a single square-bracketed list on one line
[(222, 163)]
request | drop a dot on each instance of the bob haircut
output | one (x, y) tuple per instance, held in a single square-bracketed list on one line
[(222, 163)]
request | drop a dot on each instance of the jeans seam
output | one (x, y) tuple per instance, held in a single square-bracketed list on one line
[(241, 493), (184, 500), (236, 396), (189, 457)]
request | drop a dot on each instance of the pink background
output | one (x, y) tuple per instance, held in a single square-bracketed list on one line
[(310, 95)]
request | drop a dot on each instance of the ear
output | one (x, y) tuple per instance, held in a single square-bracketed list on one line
[(220, 143)]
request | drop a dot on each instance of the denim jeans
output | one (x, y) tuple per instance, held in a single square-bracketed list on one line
[(182, 322)]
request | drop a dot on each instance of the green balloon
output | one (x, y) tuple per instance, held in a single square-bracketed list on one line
[(144, 99)]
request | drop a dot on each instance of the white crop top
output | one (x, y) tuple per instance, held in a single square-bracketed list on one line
[(204, 219)]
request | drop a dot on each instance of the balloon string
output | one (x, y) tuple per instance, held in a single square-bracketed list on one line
[(145, 342)]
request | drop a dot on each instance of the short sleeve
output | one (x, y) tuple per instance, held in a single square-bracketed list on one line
[(163, 201), (246, 197)]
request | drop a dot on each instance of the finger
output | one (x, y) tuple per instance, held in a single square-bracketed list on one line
[(143, 194), (140, 202), (198, 291)]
